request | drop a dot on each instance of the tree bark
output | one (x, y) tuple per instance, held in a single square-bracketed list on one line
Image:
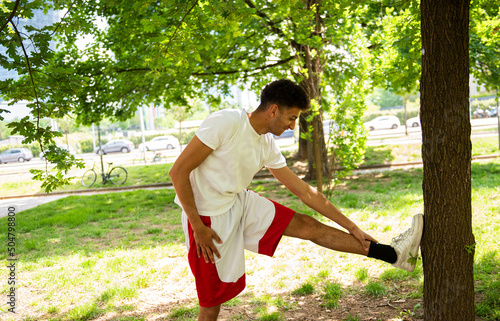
[(314, 149), (448, 242)]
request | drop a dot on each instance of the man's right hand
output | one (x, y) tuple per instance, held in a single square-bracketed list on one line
[(204, 237)]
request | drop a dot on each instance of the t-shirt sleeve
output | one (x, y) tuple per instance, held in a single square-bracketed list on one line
[(216, 129), (275, 158)]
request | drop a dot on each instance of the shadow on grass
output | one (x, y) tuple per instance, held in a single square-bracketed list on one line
[(378, 155), (399, 188), (487, 277), (249, 306), (100, 222), (99, 307)]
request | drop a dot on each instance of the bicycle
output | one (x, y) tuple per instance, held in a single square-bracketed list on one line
[(158, 157), (115, 174)]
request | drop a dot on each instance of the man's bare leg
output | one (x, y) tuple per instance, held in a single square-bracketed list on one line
[(307, 228), (209, 314), (403, 247)]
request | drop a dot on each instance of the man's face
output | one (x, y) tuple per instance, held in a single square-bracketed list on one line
[(284, 119)]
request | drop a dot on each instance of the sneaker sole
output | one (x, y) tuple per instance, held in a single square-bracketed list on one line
[(419, 227)]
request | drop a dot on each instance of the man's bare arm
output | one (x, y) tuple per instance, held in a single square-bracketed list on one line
[(318, 202), (191, 157)]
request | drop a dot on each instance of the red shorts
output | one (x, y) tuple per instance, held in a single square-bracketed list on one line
[(253, 223)]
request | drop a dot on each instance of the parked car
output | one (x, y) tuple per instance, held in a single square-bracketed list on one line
[(289, 133), (161, 142), (485, 113), (383, 122), (114, 146), (69, 148), (480, 113), (413, 122), (493, 112), (330, 127), (16, 155)]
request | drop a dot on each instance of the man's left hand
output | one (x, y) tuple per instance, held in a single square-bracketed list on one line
[(362, 237)]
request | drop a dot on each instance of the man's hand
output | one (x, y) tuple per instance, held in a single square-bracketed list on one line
[(204, 243), (362, 237)]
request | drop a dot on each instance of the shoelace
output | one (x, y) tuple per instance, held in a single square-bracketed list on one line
[(403, 235)]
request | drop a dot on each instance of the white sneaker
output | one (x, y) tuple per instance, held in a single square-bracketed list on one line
[(407, 243)]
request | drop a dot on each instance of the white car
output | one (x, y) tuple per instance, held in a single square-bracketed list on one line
[(161, 142), (330, 127), (413, 122), (383, 122)]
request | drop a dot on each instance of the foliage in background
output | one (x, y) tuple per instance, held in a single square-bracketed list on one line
[(164, 52), (484, 39), (172, 51)]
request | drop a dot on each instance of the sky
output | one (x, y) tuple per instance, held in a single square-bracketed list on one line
[(16, 111)]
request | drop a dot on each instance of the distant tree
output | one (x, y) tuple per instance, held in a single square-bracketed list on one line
[(4, 131), (183, 113), (167, 50), (384, 98), (151, 51), (66, 124), (484, 40)]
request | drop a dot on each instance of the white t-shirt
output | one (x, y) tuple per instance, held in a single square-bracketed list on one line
[(238, 153)]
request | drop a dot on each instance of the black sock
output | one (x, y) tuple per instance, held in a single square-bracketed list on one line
[(382, 252)]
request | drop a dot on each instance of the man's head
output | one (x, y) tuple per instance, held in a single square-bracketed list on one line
[(281, 103), (284, 93)]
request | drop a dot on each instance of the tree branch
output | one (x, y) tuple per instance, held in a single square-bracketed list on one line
[(32, 83), (179, 26), (270, 23), (222, 72), (12, 14), (230, 72), (62, 19)]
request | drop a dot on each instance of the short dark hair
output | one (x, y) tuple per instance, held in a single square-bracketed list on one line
[(284, 93)]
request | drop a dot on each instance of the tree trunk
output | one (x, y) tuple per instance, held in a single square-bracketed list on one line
[(405, 103), (315, 148), (302, 151), (448, 242)]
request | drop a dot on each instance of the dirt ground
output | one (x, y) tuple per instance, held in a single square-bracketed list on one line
[(159, 300)]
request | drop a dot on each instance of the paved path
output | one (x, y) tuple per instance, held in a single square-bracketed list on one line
[(24, 203), (21, 204)]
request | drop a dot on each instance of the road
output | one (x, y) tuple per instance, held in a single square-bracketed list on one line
[(376, 137)]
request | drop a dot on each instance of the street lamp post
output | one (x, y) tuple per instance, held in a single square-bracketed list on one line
[(498, 119), (141, 119), (101, 153)]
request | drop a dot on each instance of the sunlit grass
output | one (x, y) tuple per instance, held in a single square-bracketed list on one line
[(386, 154), (83, 257)]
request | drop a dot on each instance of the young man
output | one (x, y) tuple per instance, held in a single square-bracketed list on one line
[(221, 218)]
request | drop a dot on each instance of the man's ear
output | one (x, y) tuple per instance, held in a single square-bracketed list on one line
[(274, 110)]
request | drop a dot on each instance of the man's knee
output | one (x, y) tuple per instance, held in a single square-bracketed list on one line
[(209, 313), (302, 226)]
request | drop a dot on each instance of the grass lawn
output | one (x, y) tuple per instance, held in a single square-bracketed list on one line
[(137, 175), (386, 154), (121, 256), (158, 173)]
